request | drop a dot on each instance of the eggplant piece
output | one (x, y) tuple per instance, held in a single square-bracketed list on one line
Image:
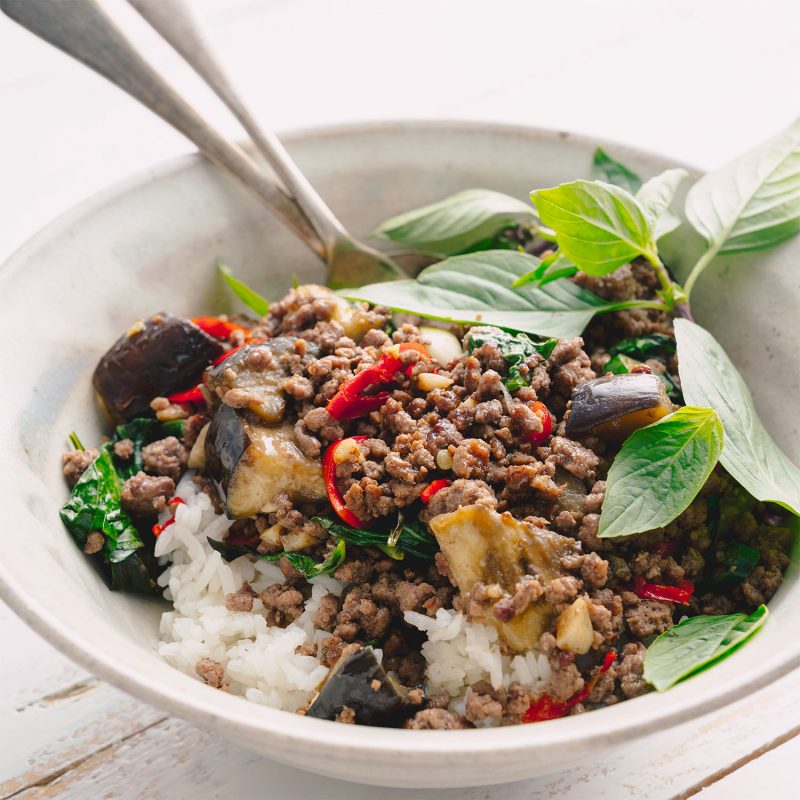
[(614, 406), (484, 546), (162, 355), (253, 463), (351, 683), (260, 378)]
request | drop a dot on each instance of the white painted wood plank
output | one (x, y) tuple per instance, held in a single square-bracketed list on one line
[(173, 760), (776, 769), (53, 714)]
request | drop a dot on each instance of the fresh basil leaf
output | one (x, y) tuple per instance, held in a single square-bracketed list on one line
[(250, 297), (740, 561), (605, 168), (551, 268), (455, 223), (515, 348), (659, 470), (413, 538), (599, 227), (644, 347), (304, 564), (478, 289), (753, 202), (655, 197), (95, 505), (751, 456), (696, 643)]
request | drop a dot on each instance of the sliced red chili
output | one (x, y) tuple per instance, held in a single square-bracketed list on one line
[(177, 501), (432, 488), (545, 707), (218, 328), (681, 593), (332, 489), (159, 529), (540, 409), (194, 396), (351, 402)]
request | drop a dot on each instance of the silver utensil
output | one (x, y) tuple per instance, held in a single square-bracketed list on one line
[(83, 30)]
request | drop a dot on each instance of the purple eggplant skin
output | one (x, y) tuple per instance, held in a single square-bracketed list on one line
[(614, 406), (351, 683), (160, 356)]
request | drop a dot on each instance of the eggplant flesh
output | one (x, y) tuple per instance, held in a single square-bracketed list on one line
[(484, 546), (351, 683), (614, 406), (253, 463), (262, 384), (162, 355)]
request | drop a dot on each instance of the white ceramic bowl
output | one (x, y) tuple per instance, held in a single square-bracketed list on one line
[(150, 244)]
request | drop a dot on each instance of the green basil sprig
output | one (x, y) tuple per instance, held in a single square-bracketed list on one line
[(609, 170), (659, 470), (456, 223), (696, 643), (709, 378), (479, 289), (749, 204), (515, 349), (411, 538), (304, 564), (250, 297)]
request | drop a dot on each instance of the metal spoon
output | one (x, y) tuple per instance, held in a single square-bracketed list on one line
[(81, 29)]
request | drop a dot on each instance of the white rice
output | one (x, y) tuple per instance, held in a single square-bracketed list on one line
[(260, 661)]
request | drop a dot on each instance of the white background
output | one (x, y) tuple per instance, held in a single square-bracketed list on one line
[(699, 80)]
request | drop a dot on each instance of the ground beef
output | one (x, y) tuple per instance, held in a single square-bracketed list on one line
[(360, 615), (629, 670), (165, 457), (212, 673), (646, 617), (123, 449), (146, 496), (94, 543), (573, 457), (76, 462), (329, 607), (460, 493), (436, 719), (283, 604), (241, 600)]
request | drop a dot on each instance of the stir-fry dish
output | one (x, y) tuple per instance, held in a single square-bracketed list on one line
[(523, 485)]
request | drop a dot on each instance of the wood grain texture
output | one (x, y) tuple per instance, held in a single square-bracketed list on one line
[(67, 134)]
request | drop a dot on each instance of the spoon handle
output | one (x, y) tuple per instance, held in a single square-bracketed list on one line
[(82, 30), (175, 22)]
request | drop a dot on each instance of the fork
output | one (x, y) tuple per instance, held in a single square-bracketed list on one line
[(84, 31)]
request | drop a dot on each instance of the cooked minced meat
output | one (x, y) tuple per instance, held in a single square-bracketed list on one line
[(492, 453)]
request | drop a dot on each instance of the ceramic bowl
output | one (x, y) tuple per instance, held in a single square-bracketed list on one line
[(151, 243)]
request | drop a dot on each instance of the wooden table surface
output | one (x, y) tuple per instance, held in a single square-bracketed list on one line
[(698, 81)]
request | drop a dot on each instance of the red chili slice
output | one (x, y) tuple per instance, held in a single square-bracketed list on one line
[(334, 495), (680, 593), (159, 529), (350, 402), (432, 488), (540, 409), (218, 328), (234, 349), (545, 707), (194, 396)]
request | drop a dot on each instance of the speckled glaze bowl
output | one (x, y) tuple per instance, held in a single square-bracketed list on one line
[(151, 243)]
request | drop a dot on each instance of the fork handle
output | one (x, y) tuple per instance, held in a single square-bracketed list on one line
[(82, 30), (175, 22)]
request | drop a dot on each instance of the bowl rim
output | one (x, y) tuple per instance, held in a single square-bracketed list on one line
[(239, 717)]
